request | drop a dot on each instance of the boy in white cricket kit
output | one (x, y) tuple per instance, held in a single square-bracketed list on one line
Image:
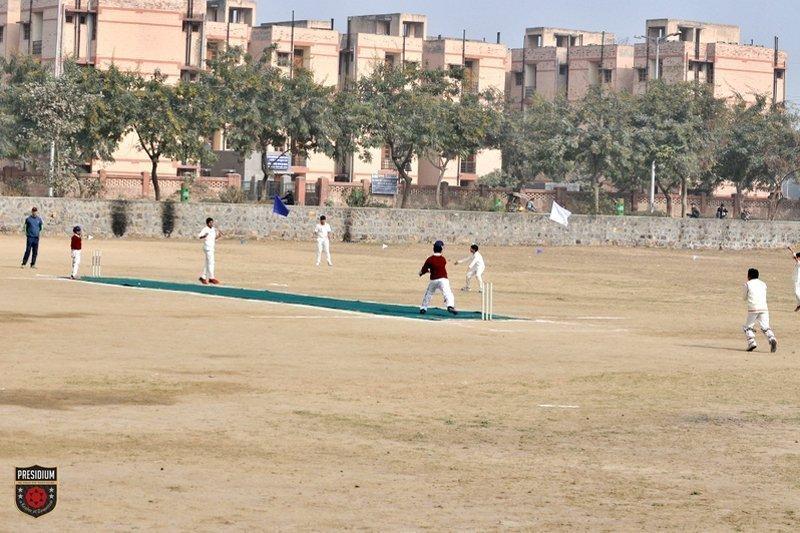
[(209, 236), (436, 265), (76, 243), (323, 231), (755, 294), (475, 267), (796, 257)]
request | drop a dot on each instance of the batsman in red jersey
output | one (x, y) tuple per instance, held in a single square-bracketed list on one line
[(436, 265)]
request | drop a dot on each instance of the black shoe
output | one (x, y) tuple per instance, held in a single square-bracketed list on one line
[(773, 346), (423, 311), (751, 348), (452, 310)]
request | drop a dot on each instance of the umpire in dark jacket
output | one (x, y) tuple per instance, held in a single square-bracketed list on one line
[(33, 228)]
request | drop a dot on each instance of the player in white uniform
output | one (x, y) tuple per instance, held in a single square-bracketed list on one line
[(475, 267), (796, 257), (209, 236), (323, 231), (755, 294)]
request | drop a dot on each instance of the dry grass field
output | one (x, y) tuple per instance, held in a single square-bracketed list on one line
[(624, 401)]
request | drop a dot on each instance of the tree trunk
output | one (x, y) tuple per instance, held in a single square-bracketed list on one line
[(154, 179), (439, 202), (667, 198), (684, 196), (596, 191), (406, 188)]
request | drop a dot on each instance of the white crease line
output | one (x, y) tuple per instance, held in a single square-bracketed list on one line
[(600, 318), (552, 406), (301, 317)]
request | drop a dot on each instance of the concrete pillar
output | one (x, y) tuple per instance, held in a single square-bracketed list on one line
[(145, 185), (323, 190), (234, 180), (300, 190)]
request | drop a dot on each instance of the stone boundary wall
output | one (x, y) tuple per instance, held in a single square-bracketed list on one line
[(142, 219)]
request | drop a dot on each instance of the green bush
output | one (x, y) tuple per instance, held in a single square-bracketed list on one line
[(356, 198)]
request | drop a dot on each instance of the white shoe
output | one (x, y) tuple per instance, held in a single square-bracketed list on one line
[(330, 264)]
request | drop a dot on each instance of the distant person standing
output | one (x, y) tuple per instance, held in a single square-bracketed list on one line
[(33, 229), (796, 277), (209, 235), (76, 243), (323, 231)]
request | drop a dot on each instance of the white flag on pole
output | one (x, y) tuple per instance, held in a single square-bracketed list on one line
[(560, 215)]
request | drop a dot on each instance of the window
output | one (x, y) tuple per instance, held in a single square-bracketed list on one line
[(69, 18), (519, 78), (686, 34), (386, 158), (779, 72), (383, 27), (562, 41), (283, 59), (94, 28), (535, 41), (642, 72), (390, 60), (606, 75), (26, 32), (710, 73), (468, 164), (2, 28), (563, 69), (82, 19), (299, 58)]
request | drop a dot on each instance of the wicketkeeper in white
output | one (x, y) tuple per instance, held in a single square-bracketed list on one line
[(322, 232), (209, 235), (475, 267), (755, 294)]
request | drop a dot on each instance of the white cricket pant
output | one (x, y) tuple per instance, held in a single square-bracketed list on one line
[(76, 262), (324, 245), (476, 272), (208, 271), (797, 292), (762, 319), (442, 285)]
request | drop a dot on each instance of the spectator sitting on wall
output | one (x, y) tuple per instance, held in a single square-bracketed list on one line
[(695, 213), (288, 198), (745, 214), (722, 211)]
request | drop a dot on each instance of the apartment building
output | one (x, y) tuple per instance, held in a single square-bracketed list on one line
[(485, 66), (393, 39), (174, 37), (713, 54), (311, 45), (565, 63)]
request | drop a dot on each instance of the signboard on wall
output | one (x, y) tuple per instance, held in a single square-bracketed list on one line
[(384, 185), (278, 162)]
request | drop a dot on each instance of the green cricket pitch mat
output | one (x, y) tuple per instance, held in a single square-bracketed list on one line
[(353, 306)]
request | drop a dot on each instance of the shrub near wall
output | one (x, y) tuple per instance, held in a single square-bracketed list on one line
[(128, 219)]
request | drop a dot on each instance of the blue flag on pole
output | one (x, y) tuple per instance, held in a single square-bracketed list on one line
[(279, 208)]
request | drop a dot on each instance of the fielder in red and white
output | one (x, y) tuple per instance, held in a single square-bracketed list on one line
[(436, 265)]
